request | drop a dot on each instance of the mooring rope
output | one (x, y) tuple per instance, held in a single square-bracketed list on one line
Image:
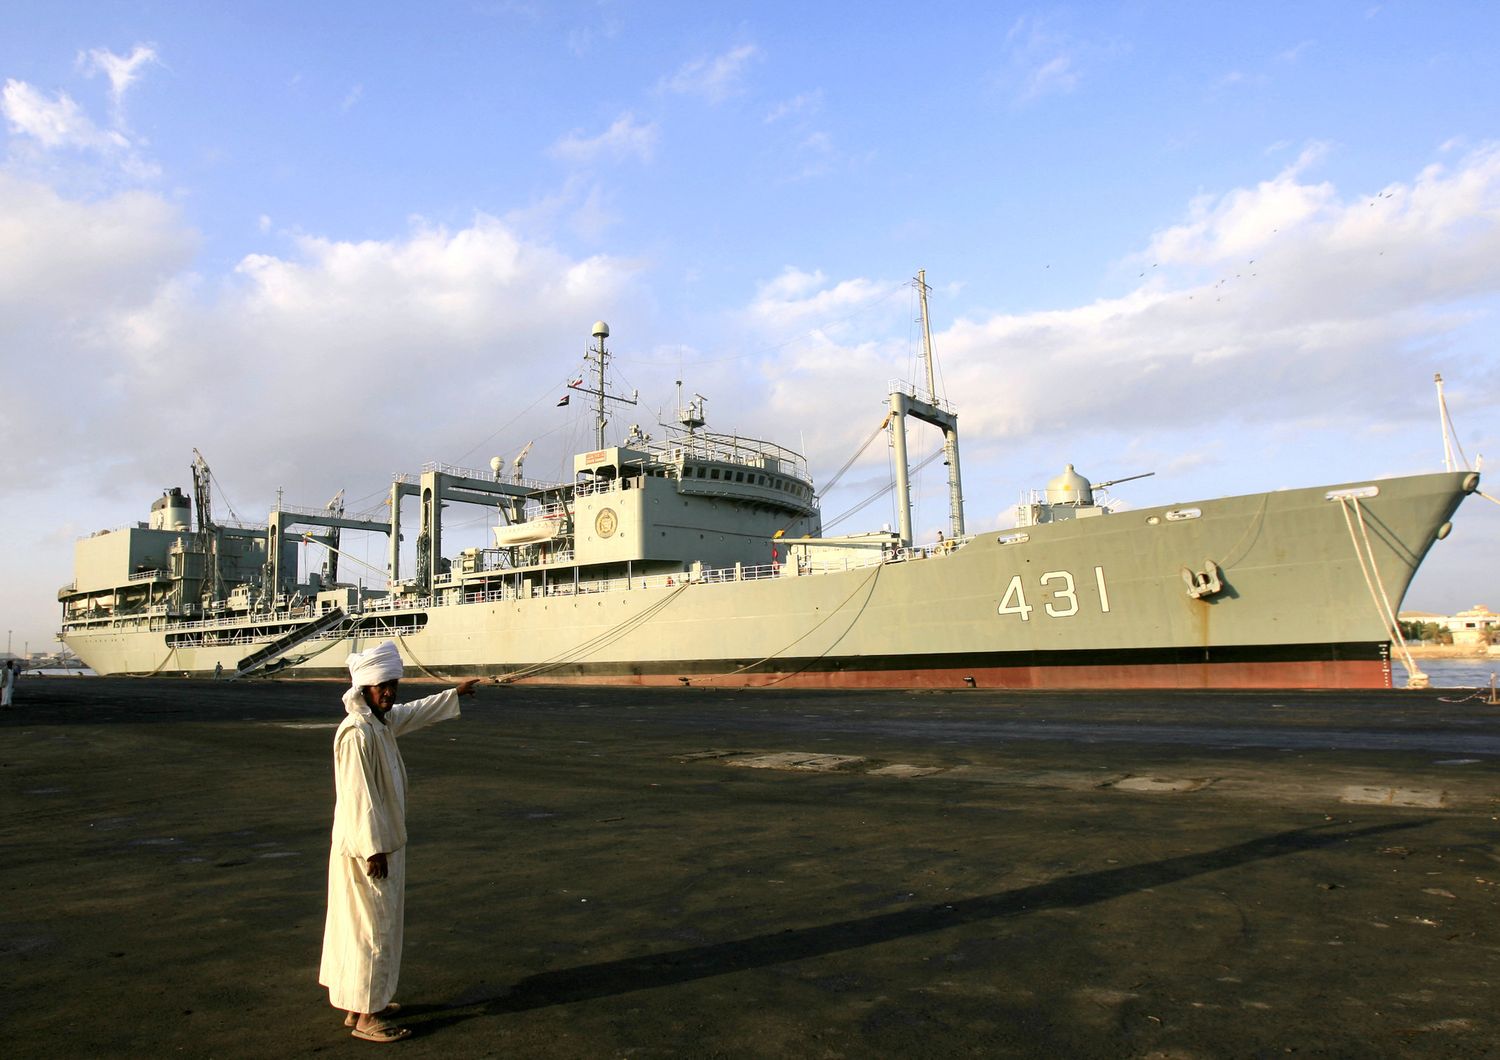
[(160, 666), (1230, 559), (1415, 678), (869, 581), (418, 662), (593, 644)]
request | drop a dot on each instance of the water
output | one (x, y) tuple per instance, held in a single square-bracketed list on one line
[(1452, 673)]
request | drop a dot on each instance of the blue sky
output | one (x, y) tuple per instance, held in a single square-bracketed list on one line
[(1227, 243)]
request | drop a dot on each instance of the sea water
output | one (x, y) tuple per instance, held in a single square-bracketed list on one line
[(1451, 673)]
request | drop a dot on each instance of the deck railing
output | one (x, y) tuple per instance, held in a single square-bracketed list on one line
[(513, 588)]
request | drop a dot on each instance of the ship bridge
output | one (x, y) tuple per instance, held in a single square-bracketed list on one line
[(704, 464)]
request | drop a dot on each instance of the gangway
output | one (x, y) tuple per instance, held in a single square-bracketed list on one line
[(281, 645)]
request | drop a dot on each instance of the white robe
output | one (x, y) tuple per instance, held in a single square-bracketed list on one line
[(362, 936)]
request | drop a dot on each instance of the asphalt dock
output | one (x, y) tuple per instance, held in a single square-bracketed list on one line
[(695, 873)]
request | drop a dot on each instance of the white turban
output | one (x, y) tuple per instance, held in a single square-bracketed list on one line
[(380, 664)]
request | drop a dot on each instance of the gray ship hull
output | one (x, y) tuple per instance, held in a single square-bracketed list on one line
[(1271, 590)]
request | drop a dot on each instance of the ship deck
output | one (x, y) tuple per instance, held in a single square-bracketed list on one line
[(690, 872)]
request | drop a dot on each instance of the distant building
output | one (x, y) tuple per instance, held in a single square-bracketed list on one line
[(1474, 628)]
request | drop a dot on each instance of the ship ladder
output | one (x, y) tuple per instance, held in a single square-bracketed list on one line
[(1354, 515), (262, 657)]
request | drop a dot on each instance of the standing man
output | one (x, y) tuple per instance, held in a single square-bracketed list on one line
[(7, 683), (367, 865)]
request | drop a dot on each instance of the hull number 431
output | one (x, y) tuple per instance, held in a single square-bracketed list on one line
[(1057, 594)]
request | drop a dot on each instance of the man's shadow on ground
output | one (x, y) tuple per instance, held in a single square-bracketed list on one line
[(651, 971)]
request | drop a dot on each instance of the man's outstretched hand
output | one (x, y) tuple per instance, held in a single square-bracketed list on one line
[(466, 688)]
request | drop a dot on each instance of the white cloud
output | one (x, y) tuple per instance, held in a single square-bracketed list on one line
[(1057, 74), (625, 138), (1040, 60), (47, 128), (56, 122), (797, 298), (1235, 223), (352, 98), (122, 71), (61, 259), (715, 79), (1288, 302), (798, 106), (368, 343)]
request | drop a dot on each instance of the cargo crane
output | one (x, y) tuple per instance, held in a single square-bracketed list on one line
[(208, 533)]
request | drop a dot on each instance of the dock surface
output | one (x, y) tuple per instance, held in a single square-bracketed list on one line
[(696, 873)]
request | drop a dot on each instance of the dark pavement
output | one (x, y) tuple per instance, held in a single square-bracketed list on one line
[(602, 873)]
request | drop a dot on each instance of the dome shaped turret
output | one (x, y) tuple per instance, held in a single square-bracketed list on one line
[(1070, 488)]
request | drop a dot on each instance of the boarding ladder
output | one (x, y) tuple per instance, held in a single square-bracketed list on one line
[(260, 658)]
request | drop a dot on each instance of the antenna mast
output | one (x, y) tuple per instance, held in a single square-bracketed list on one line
[(598, 356)]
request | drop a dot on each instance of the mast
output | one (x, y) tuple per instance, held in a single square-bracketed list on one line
[(1444, 422), (928, 410), (922, 290), (598, 357), (950, 434), (601, 357)]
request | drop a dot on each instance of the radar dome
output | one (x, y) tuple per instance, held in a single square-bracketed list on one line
[(601, 330), (1070, 488)]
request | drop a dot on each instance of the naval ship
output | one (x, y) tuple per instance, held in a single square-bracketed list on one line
[(699, 559)]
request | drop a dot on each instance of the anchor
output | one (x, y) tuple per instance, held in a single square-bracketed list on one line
[(1203, 583)]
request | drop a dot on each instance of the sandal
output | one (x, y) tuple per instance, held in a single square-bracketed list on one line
[(382, 1032)]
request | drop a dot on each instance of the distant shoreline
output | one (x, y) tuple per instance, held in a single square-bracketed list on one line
[(1448, 651)]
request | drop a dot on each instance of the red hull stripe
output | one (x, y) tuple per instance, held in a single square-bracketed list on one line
[(1267, 675), (1356, 665)]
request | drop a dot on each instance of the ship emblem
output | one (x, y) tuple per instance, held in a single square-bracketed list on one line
[(606, 523)]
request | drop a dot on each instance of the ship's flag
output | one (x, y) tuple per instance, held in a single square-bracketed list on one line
[(564, 400), (577, 382)]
